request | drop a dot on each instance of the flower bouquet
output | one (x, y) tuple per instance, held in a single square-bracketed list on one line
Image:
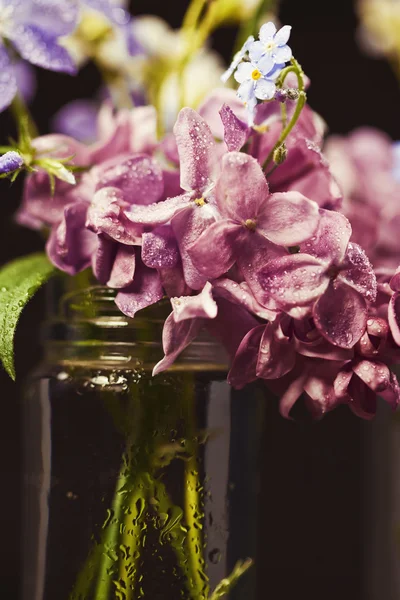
[(206, 217)]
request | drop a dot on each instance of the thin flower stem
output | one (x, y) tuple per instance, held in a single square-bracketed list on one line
[(294, 68), (192, 15), (193, 505), (131, 537), (111, 537), (23, 117)]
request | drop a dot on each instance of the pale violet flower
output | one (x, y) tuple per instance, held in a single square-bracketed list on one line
[(237, 59), (272, 43), (256, 80)]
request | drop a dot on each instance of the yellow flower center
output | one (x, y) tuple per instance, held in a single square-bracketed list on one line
[(200, 201), (250, 224), (270, 46), (256, 74)]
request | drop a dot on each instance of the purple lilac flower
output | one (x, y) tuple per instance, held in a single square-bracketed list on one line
[(10, 161), (331, 278), (250, 216), (34, 29)]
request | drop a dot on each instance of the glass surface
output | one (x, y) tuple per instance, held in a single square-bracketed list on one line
[(138, 487)]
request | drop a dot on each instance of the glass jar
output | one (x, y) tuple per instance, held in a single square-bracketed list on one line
[(136, 486)]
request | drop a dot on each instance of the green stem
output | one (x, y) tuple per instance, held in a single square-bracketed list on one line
[(192, 15), (26, 125), (193, 505), (131, 538), (294, 68), (109, 544)]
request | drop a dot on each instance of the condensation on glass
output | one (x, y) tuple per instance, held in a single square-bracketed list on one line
[(135, 487)]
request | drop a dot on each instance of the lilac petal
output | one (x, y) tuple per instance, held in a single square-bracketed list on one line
[(288, 218), (213, 253), (70, 246), (172, 184), (107, 215), (240, 293), (341, 315), (42, 49), (61, 146), (374, 374), (123, 270), (362, 399), (160, 249), (103, 259), (342, 382), (26, 80), (252, 258), (8, 82), (114, 133), (143, 125), (391, 394), (244, 365), (331, 239), (394, 317), (173, 282), (277, 354), (395, 281), (197, 151), (159, 213), (210, 109), (59, 17), (319, 386), (293, 390), (188, 225), (359, 273), (294, 280), (77, 119), (282, 36), (39, 206), (176, 337), (139, 178), (236, 133), (202, 305), (265, 89), (242, 188), (144, 291)]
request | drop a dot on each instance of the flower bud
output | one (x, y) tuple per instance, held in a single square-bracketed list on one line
[(280, 154), (10, 161)]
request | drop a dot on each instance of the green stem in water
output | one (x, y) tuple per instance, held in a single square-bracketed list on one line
[(193, 505), (109, 545), (294, 68)]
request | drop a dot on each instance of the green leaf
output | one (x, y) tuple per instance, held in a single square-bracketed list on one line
[(19, 281), (226, 585)]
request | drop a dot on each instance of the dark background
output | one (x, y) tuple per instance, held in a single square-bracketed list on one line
[(313, 490)]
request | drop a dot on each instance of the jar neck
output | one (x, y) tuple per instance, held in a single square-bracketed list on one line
[(88, 329)]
